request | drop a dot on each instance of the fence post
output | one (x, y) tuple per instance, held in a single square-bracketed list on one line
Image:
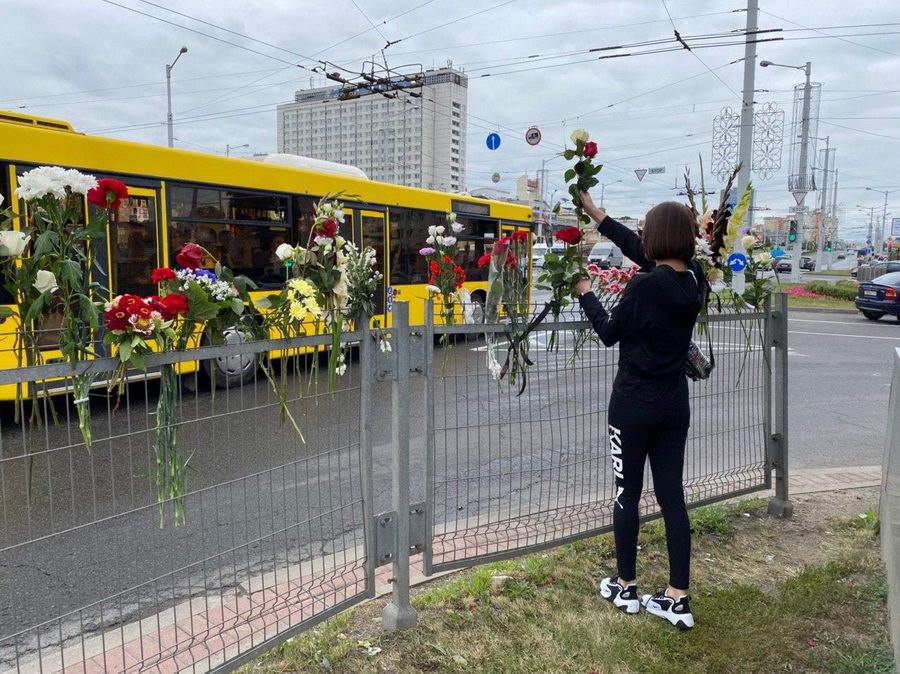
[(399, 613), (367, 379), (780, 506), (889, 510), (428, 339)]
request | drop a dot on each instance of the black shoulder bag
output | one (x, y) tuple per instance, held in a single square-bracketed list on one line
[(697, 366)]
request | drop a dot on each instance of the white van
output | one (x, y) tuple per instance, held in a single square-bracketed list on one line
[(605, 254)]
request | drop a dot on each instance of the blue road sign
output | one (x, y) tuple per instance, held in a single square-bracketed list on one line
[(777, 252), (493, 141), (737, 262)]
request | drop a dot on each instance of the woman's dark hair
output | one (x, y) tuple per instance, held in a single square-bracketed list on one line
[(670, 232)]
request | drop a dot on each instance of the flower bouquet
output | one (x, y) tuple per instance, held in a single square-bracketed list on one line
[(560, 273), (608, 285), (583, 175), (445, 277), (55, 277), (508, 293)]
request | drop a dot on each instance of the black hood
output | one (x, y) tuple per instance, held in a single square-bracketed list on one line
[(681, 291)]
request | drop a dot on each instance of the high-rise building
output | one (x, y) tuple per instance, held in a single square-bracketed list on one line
[(420, 142)]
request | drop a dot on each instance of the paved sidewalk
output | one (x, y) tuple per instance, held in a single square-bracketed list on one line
[(203, 632)]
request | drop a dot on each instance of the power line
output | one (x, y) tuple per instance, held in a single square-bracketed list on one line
[(450, 23), (837, 37), (371, 23)]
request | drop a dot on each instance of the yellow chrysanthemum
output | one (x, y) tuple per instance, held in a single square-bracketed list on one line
[(298, 311), (312, 306), (302, 286)]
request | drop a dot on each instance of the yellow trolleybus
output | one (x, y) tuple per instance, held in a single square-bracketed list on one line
[(241, 210)]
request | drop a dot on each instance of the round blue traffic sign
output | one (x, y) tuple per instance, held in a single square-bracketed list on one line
[(737, 262), (777, 252), (493, 141)]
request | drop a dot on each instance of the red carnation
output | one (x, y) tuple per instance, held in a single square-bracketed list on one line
[(511, 260), (503, 239), (590, 149), (460, 275), (484, 260), (116, 319), (520, 236), (176, 302), (161, 274), (129, 303), (190, 256), (433, 268), (327, 227), (569, 235), (447, 259), (108, 193)]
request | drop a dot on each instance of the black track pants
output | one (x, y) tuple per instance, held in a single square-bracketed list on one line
[(636, 432)]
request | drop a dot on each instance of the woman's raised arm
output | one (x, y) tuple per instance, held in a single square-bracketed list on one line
[(615, 231)]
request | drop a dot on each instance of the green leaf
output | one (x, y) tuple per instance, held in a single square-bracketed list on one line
[(569, 174), (45, 243), (125, 351), (6, 312), (200, 308), (597, 169), (569, 154), (573, 190), (37, 306), (137, 359), (89, 311), (579, 167), (70, 272), (237, 305)]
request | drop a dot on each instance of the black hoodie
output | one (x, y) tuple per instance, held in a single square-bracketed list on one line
[(653, 323)]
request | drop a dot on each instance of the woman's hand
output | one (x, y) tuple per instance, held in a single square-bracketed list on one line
[(581, 286), (587, 204)]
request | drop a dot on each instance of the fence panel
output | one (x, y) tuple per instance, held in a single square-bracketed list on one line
[(274, 538), (509, 473)]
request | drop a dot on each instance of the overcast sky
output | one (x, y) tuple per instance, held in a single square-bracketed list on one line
[(102, 67)]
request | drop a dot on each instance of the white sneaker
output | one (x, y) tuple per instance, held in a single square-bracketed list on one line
[(677, 612), (624, 599)]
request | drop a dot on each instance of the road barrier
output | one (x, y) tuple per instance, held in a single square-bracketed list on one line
[(281, 533)]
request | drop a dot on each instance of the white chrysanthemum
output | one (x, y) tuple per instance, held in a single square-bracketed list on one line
[(78, 182), (41, 181), (580, 134)]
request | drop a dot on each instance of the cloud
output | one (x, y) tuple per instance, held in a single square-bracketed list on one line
[(61, 52)]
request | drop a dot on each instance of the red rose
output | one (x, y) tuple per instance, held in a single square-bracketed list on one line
[(520, 236), (116, 319), (590, 149), (190, 256), (569, 235), (161, 274), (108, 193), (484, 260), (327, 228)]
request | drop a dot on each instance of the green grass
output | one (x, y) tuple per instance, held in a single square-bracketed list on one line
[(816, 303), (756, 612), (832, 272)]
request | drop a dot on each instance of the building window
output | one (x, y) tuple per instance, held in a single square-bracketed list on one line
[(457, 105)]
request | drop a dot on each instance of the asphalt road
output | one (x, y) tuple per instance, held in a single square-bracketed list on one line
[(89, 531)]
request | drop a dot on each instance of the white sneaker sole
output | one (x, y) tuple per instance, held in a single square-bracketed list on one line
[(630, 606), (681, 621)]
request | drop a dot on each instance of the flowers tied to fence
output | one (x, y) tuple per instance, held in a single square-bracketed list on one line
[(47, 267), (608, 285), (560, 272), (191, 301), (445, 277), (508, 294)]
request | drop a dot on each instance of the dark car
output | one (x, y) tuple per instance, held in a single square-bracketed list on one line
[(807, 263), (783, 263), (880, 296), (841, 256)]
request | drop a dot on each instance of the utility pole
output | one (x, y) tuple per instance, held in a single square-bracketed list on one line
[(834, 220), (820, 239), (797, 253), (738, 281)]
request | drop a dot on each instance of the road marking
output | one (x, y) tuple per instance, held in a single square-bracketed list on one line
[(836, 334), (810, 320)]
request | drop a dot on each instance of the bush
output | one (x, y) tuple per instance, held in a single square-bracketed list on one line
[(842, 290)]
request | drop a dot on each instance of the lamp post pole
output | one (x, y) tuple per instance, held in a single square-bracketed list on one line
[(603, 190), (820, 239), (229, 148), (169, 67), (879, 237)]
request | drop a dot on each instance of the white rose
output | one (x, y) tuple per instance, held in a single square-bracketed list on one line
[(763, 258), (1, 199), (45, 281), (715, 275), (284, 252), (579, 134), (748, 242), (339, 241), (14, 242), (457, 227)]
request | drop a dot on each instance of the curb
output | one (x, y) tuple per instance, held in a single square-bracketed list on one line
[(823, 310)]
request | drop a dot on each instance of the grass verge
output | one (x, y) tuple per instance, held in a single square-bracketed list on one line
[(832, 272), (805, 595), (817, 302)]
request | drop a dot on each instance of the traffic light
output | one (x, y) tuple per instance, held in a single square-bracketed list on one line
[(828, 246), (792, 231)]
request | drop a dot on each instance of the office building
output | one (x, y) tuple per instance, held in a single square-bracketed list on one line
[(420, 142)]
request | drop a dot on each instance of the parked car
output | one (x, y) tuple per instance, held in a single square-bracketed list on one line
[(841, 256), (783, 263), (854, 271), (880, 296), (605, 254), (807, 263)]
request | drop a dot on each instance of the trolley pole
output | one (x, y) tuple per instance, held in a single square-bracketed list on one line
[(820, 239)]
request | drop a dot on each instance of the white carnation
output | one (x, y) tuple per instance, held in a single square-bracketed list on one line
[(449, 241)]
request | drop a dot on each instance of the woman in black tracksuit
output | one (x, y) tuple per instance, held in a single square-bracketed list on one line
[(649, 413)]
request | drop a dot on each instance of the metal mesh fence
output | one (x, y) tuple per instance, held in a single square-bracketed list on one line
[(512, 472), (273, 539)]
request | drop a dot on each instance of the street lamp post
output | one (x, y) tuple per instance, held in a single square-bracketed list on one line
[(169, 67), (229, 148), (802, 187), (603, 190), (820, 238), (880, 237)]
